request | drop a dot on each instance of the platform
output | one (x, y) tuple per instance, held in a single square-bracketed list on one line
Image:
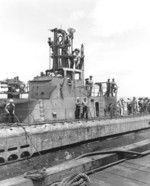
[(134, 172), (90, 164)]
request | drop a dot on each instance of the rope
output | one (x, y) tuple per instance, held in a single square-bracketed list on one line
[(36, 174), (26, 134), (77, 179), (110, 152)]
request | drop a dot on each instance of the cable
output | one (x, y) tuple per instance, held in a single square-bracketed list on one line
[(110, 152), (19, 125)]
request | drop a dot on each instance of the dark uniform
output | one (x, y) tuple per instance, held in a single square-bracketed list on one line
[(78, 108), (108, 88), (10, 110), (90, 83), (77, 58)]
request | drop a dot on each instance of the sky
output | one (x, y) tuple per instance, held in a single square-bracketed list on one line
[(116, 35)]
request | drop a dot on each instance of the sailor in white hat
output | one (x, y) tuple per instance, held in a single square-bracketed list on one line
[(10, 110)]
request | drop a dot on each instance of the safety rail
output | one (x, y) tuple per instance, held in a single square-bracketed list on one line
[(100, 89)]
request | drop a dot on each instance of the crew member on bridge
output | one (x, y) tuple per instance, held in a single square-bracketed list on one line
[(10, 110), (90, 83), (108, 88), (113, 87), (77, 58)]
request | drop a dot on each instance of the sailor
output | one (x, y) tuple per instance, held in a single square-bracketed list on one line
[(148, 106), (10, 110), (84, 109), (86, 82), (90, 83), (108, 88), (113, 87), (140, 105), (111, 110), (134, 106), (129, 106), (78, 108), (77, 58), (145, 105), (121, 105)]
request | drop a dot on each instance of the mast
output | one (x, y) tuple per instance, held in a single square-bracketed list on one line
[(64, 56)]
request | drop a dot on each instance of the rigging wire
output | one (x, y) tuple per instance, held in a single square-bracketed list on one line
[(26, 134)]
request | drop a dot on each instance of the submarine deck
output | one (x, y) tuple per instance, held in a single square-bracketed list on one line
[(134, 172)]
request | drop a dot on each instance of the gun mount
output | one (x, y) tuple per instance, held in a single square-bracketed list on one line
[(12, 87)]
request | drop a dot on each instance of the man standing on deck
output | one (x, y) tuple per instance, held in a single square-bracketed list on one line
[(134, 106), (129, 106), (121, 107), (78, 108), (85, 109), (140, 105), (10, 110)]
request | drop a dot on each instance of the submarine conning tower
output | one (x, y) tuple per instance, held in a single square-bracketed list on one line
[(53, 94), (67, 64), (58, 87)]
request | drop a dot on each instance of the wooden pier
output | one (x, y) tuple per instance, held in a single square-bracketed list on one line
[(134, 172)]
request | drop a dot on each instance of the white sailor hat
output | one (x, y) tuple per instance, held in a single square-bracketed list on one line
[(11, 100)]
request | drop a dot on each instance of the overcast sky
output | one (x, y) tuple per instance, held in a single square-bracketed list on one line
[(116, 34)]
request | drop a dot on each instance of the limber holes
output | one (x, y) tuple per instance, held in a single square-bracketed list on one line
[(2, 160), (24, 146), (25, 154), (12, 148), (14, 157)]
